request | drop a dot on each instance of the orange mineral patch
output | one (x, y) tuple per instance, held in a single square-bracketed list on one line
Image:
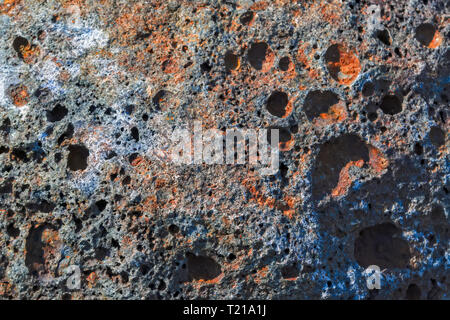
[(258, 195), (260, 56), (169, 66), (261, 274), (336, 113), (331, 11), (306, 60), (437, 40), (258, 6), (29, 53), (289, 109), (19, 95), (8, 6), (287, 145), (345, 180), (290, 203), (92, 278), (377, 160), (216, 280), (5, 288), (268, 62), (343, 64)]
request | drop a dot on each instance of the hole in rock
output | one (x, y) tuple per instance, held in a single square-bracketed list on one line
[(318, 102), (101, 205), (231, 257), (129, 109), (34, 257), (277, 103), (368, 89), (202, 268), (247, 17), (290, 271), (284, 63), (372, 116), (391, 104), (101, 253), (437, 136), (126, 180), (231, 61), (78, 156), (418, 149), (135, 134), (257, 54), (413, 292), (159, 98), (19, 44), (381, 245), (333, 156), (19, 154), (384, 37), (12, 231), (41, 206), (425, 33), (57, 113), (205, 67), (6, 187), (174, 229)]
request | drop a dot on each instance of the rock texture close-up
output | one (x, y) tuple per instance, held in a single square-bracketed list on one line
[(92, 207)]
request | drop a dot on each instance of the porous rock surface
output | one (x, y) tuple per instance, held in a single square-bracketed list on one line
[(89, 89)]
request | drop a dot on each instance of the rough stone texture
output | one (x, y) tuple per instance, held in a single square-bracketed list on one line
[(89, 88)]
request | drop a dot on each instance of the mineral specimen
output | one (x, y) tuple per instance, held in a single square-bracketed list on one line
[(90, 92)]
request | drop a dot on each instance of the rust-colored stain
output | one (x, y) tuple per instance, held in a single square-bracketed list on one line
[(377, 160), (19, 95), (330, 11), (336, 113), (291, 279), (261, 274), (287, 145), (436, 41), (5, 288), (92, 278), (286, 206), (29, 53), (306, 60), (268, 61), (260, 5), (216, 280), (288, 109), (346, 68), (8, 6), (345, 181)]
